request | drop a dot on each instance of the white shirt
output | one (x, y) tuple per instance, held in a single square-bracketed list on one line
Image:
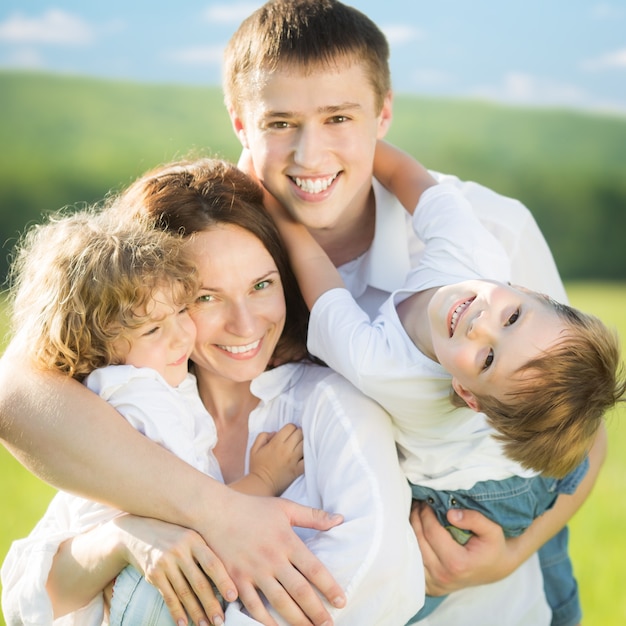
[(440, 446), (396, 248), (351, 468)]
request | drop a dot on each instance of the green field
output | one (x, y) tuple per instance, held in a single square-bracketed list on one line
[(70, 140), (598, 543)]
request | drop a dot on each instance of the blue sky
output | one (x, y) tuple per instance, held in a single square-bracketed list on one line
[(565, 53)]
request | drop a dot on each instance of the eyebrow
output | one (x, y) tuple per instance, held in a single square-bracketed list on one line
[(254, 281), (328, 110)]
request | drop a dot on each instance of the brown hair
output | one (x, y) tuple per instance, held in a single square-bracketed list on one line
[(305, 34), (549, 422), (79, 282), (186, 197)]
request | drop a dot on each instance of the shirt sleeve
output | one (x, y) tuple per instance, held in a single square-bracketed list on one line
[(343, 336), (25, 571), (160, 412), (457, 246), (513, 225)]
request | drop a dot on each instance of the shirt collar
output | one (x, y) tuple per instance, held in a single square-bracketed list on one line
[(388, 259), (272, 383)]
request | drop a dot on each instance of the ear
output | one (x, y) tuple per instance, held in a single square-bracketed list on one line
[(386, 114), (466, 395), (238, 127)]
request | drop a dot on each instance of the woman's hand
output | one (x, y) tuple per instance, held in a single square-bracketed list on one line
[(178, 562), (263, 554)]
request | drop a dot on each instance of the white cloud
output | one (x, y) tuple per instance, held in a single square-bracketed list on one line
[(525, 89), (611, 60), (430, 78), (230, 13), (24, 58), (199, 55), (52, 27), (398, 34), (606, 11)]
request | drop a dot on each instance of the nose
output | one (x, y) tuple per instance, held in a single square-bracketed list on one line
[(481, 327), (241, 320), (307, 149), (185, 331)]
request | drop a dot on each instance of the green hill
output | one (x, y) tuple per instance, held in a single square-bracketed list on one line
[(69, 140)]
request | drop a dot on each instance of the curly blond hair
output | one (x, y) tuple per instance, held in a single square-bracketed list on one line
[(80, 281)]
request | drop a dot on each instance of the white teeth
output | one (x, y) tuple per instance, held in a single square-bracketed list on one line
[(455, 314), (241, 349), (314, 185)]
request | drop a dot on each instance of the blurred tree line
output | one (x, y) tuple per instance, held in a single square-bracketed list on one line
[(68, 141)]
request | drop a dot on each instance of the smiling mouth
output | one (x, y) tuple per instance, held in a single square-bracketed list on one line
[(314, 185), (456, 314), (180, 361), (240, 349)]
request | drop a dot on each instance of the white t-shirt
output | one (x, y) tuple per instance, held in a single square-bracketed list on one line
[(396, 248), (440, 446), (351, 468)]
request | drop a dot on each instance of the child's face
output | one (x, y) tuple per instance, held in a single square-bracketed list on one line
[(164, 342), (312, 137), (483, 331)]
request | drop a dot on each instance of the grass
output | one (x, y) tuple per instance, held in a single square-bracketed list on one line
[(598, 544)]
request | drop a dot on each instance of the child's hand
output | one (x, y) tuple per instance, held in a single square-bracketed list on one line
[(277, 458)]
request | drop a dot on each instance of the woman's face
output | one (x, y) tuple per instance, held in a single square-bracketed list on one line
[(240, 311)]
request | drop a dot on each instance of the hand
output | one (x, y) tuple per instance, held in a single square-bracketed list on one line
[(278, 458), (262, 553), (179, 564), (488, 556)]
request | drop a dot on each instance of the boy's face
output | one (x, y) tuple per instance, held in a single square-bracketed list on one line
[(312, 137), (483, 331)]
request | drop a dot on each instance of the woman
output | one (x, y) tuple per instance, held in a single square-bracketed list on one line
[(249, 361)]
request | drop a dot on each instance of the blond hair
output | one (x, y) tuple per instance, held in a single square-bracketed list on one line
[(306, 35), (80, 281), (549, 421)]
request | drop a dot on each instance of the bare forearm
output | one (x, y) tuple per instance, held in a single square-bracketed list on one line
[(71, 438), (401, 174), (82, 568), (313, 268)]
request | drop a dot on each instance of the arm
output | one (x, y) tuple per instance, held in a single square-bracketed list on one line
[(173, 559), (71, 438), (314, 270), (488, 556), (401, 174)]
